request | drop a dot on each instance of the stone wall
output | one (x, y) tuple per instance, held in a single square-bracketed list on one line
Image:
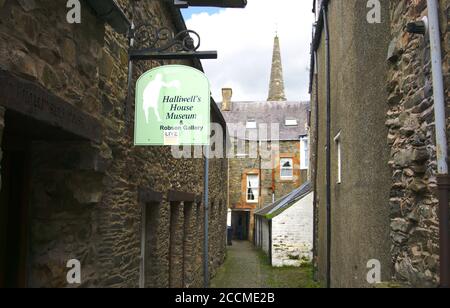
[(410, 119), (292, 234), (84, 196), (270, 178), (289, 149)]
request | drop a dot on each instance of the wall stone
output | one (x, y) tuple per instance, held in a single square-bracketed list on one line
[(410, 119), (85, 201), (292, 234), (270, 178)]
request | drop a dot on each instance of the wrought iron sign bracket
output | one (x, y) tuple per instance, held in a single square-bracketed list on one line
[(163, 44), (148, 42), (155, 55)]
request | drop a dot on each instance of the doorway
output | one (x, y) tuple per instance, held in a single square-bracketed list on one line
[(17, 166), (14, 209), (241, 225)]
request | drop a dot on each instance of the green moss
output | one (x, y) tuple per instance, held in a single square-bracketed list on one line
[(288, 276)]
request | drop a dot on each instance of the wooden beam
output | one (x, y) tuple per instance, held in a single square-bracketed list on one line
[(150, 196), (33, 100), (147, 55)]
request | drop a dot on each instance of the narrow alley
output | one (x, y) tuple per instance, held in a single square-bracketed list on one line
[(197, 145), (246, 267)]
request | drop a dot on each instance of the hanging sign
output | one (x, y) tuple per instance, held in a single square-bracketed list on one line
[(172, 107)]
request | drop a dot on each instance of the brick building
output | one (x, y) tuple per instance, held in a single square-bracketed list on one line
[(73, 185), (258, 175), (376, 186)]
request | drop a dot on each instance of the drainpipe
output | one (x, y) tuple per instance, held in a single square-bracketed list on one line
[(206, 220), (328, 141), (128, 102), (110, 12), (316, 163), (441, 140)]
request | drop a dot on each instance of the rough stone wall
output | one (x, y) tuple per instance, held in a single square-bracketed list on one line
[(176, 250), (86, 206), (154, 269), (292, 234), (64, 197), (240, 166), (414, 204)]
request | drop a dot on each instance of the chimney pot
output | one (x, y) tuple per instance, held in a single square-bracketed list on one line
[(227, 94)]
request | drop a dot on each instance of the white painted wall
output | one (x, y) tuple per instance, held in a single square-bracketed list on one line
[(292, 234)]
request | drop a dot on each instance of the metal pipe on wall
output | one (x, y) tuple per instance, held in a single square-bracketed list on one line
[(128, 102), (206, 226), (316, 163), (441, 140), (328, 142), (111, 13)]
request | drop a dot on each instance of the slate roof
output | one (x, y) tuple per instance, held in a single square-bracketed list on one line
[(268, 113), (275, 209)]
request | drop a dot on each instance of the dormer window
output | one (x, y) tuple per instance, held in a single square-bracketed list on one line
[(251, 124), (291, 122)]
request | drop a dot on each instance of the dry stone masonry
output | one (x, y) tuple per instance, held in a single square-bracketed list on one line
[(85, 196), (410, 119)]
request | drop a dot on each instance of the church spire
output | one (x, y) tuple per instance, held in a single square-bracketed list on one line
[(276, 87)]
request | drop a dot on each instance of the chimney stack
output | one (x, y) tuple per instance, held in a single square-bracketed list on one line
[(227, 93)]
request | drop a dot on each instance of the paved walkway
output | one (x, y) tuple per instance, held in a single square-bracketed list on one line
[(246, 267), (242, 268)]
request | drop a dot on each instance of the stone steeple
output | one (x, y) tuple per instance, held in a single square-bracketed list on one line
[(276, 88)]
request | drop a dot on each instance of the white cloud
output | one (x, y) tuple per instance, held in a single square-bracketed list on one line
[(244, 41)]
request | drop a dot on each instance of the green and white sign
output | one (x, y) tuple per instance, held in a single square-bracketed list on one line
[(172, 107)]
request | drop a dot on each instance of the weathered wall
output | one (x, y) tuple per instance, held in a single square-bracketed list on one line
[(265, 235), (292, 234), (289, 149), (360, 215), (270, 178), (84, 199), (410, 119)]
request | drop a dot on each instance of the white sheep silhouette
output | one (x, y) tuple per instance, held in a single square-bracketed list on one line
[(152, 93)]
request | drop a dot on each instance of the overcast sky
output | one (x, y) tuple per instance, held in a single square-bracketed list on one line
[(244, 41)]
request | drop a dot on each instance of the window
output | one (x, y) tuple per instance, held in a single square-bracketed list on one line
[(304, 153), (287, 168), (291, 122), (337, 140), (253, 188), (251, 124)]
